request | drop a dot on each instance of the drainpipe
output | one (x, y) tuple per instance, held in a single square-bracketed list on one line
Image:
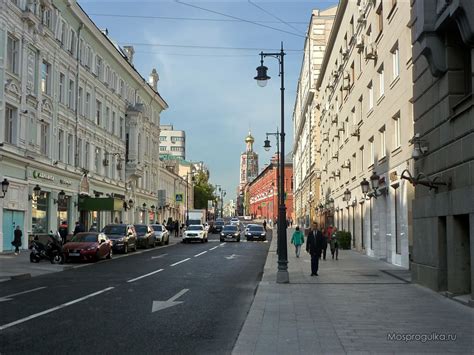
[(76, 109)]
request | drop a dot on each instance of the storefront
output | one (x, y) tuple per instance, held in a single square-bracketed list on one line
[(96, 212)]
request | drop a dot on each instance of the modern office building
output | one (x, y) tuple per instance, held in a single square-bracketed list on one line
[(307, 171), (365, 95), (172, 143), (79, 126)]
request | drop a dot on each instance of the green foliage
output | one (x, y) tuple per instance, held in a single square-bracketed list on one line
[(203, 191), (344, 239)]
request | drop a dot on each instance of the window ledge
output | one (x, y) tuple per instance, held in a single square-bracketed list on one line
[(395, 81), (396, 151), (383, 159), (380, 99), (370, 112)]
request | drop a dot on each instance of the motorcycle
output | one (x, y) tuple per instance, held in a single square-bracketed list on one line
[(52, 251)]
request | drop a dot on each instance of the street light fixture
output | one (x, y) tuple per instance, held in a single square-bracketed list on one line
[(347, 195), (267, 147), (36, 193), (5, 185), (61, 197), (262, 78)]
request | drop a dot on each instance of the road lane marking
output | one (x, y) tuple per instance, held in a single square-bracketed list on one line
[(214, 248), (158, 256), (221, 245), (8, 298), (159, 305), (70, 303), (149, 274), (204, 252), (179, 262)]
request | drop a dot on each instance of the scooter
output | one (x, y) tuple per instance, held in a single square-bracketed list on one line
[(52, 251)]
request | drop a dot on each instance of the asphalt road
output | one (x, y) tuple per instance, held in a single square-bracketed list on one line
[(200, 294)]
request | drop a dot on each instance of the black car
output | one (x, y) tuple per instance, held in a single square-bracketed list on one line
[(230, 232), (218, 226), (123, 237), (145, 236), (255, 231)]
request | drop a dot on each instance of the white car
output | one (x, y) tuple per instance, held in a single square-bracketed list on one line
[(234, 221), (195, 232), (162, 236)]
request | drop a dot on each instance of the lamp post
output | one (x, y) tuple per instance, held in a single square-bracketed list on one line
[(187, 195), (262, 78), (5, 184), (267, 147)]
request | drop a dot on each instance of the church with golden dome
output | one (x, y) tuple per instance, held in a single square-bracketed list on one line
[(248, 163)]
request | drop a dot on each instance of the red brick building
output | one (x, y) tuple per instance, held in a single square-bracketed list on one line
[(263, 196)]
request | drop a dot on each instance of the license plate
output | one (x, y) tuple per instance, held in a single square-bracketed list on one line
[(74, 254)]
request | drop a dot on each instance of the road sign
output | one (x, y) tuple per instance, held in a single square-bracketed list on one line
[(179, 197)]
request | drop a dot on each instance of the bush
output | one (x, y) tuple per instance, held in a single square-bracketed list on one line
[(344, 239)]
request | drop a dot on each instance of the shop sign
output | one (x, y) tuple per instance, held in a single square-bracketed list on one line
[(41, 175), (65, 182)]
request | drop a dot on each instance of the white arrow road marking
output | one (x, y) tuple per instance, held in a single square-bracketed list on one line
[(158, 256), (231, 257), (8, 298), (159, 305), (70, 303), (141, 277), (204, 252), (179, 262)]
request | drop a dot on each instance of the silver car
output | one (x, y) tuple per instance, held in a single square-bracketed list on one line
[(162, 236)]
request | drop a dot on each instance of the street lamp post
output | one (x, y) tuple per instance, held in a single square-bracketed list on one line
[(187, 195), (262, 78)]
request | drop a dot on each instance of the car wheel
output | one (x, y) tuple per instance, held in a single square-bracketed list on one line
[(125, 248), (97, 256), (222, 240), (109, 255)]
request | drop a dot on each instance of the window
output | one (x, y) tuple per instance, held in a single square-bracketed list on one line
[(88, 105), (10, 124), (371, 96), (98, 66), (79, 153), (72, 42), (44, 138), (162, 149), (89, 57), (382, 142), (107, 118), (46, 78), (32, 127), (98, 115), (46, 17), (396, 131), (62, 80), (71, 95), (361, 105), (361, 159), (13, 55), (97, 160), (80, 99), (87, 156), (70, 150), (372, 151), (121, 88), (113, 123), (162, 138), (63, 33), (381, 82), (60, 145), (121, 128), (395, 62), (380, 18)]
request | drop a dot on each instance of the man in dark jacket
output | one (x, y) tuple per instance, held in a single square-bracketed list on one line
[(314, 245), (78, 228), (63, 231)]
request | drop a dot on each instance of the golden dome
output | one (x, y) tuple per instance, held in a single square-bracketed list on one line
[(249, 139)]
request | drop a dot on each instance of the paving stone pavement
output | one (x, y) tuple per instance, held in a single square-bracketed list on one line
[(354, 306)]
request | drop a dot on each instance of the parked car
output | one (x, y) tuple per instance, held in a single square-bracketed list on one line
[(162, 236), (255, 231), (230, 232), (123, 237), (145, 236), (88, 246), (195, 232), (247, 218), (218, 225)]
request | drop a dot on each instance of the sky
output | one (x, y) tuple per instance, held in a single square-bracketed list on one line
[(206, 54)]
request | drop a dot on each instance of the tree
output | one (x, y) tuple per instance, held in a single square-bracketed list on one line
[(203, 191)]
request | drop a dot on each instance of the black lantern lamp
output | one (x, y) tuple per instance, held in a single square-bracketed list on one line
[(331, 203), (144, 206), (266, 144), (36, 193), (5, 185), (61, 197), (153, 208), (374, 181), (364, 185), (130, 203), (347, 195), (262, 76)]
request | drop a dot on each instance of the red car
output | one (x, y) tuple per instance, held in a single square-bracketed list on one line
[(88, 246)]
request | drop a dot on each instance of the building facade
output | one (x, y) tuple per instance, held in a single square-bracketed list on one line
[(79, 126), (305, 155), (172, 143), (366, 125), (443, 208)]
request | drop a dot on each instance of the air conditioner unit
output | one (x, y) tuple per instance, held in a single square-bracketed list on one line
[(371, 51), (341, 128), (334, 119), (335, 155), (355, 132), (345, 52), (346, 165), (360, 42), (362, 7), (337, 173), (335, 73), (105, 162), (346, 84)]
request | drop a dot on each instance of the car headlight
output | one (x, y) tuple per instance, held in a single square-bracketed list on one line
[(236, 234), (222, 234), (263, 234), (91, 248), (249, 233)]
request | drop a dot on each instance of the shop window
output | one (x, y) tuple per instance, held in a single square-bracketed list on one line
[(40, 213)]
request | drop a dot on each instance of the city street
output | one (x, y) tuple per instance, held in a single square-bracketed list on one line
[(184, 298)]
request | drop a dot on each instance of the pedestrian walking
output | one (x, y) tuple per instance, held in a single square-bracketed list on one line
[(314, 246), (63, 231), (176, 229), (297, 240), (334, 244), (17, 234), (325, 243), (265, 224), (78, 228)]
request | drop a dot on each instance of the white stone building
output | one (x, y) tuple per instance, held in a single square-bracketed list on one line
[(306, 169), (172, 143), (79, 126), (366, 123)]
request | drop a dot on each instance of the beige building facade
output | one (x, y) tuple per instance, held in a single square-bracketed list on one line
[(306, 169), (364, 94)]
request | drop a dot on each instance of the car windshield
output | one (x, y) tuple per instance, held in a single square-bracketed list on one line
[(84, 238), (219, 223), (255, 228), (157, 228), (140, 229), (230, 228), (117, 229), (195, 228)]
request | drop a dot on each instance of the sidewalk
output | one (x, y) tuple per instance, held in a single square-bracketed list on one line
[(354, 305)]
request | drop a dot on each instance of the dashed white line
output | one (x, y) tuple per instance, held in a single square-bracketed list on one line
[(179, 262), (7, 298), (36, 315), (149, 274), (214, 248), (158, 256), (204, 252)]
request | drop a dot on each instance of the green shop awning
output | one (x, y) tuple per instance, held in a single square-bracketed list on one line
[(100, 204)]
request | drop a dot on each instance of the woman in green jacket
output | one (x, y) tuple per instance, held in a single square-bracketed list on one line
[(297, 239)]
